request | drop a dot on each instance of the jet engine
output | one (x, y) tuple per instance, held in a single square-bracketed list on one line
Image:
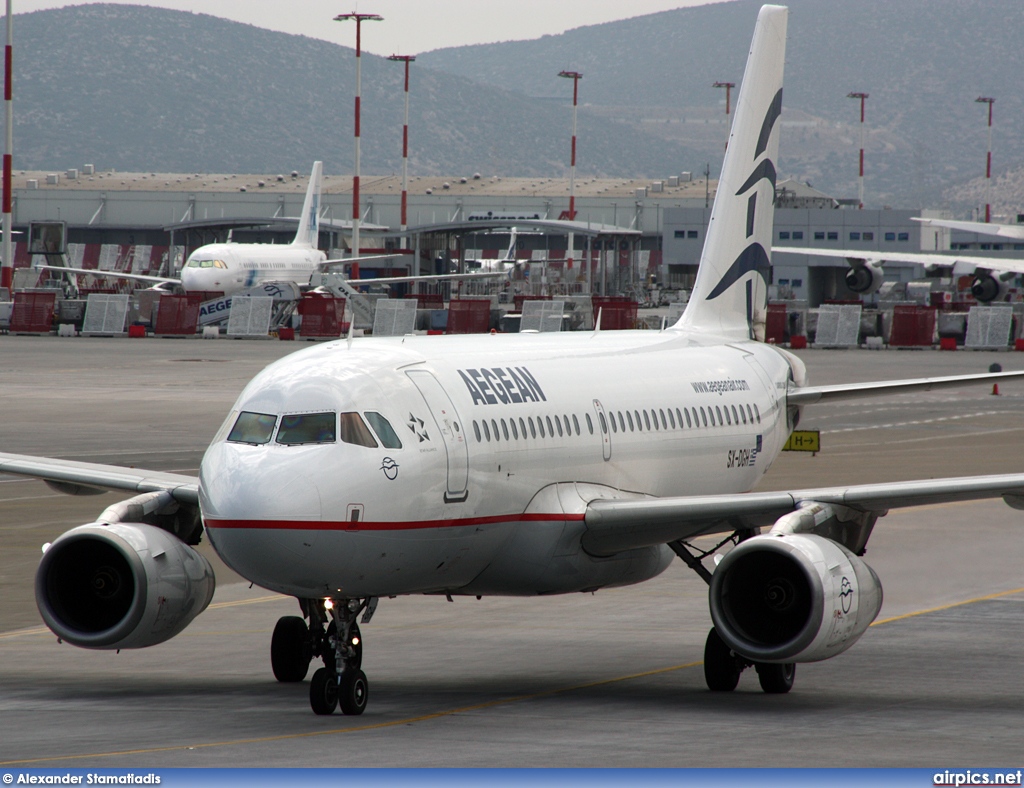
[(792, 598), (865, 278), (987, 287), (121, 585)]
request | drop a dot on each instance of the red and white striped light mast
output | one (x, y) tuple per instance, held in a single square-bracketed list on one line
[(7, 264), (860, 182), (988, 160), (359, 19), (728, 92), (407, 59), (575, 76)]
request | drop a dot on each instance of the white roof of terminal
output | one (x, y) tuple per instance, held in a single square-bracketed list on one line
[(369, 184)]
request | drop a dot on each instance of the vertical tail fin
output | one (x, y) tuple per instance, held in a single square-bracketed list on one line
[(731, 292), (309, 219)]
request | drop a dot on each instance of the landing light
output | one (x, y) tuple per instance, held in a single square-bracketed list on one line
[(328, 604), (355, 641)]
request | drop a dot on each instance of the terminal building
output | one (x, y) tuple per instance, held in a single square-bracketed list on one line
[(640, 236)]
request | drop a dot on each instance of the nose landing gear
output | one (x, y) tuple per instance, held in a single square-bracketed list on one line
[(341, 682)]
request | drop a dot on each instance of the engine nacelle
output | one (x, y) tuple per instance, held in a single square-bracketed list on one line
[(792, 598), (987, 287), (123, 585), (865, 278)]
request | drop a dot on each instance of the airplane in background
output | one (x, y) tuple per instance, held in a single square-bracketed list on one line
[(517, 465), (230, 268), (991, 276)]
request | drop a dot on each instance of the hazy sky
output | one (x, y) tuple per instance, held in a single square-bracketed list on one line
[(409, 26)]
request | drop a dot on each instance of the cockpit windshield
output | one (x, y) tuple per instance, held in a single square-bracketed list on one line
[(255, 428), (388, 438), (193, 263), (307, 428)]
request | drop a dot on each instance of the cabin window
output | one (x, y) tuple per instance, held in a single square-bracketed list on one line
[(504, 428), (576, 424), (647, 421), (696, 421), (622, 423), (533, 431), (385, 432), (494, 428), (743, 414), (614, 425), (558, 424), (551, 430), (487, 431), (604, 424), (704, 417), (300, 428), (540, 426), (522, 427), (476, 431), (565, 420), (735, 416), (515, 432), (629, 418), (590, 425), (750, 413), (728, 418), (664, 424), (254, 428), (718, 410), (672, 418)]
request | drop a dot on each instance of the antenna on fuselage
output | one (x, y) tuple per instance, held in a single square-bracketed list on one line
[(348, 339), (597, 323)]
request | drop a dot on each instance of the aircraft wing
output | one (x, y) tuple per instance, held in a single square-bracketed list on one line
[(390, 280), (112, 274), (1013, 231), (614, 526), (855, 256), (87, 478), (342, 260), (807, 395)]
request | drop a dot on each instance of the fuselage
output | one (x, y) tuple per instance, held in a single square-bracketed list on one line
[(465, 464), (229, 268)]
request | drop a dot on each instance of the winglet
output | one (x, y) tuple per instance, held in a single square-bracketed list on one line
[(308, 234), (731, 291)]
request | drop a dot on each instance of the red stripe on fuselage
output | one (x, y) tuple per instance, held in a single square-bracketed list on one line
[(407, 525)]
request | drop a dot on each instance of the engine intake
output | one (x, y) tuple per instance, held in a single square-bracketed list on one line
[(865, 278), (122, 585), (792, 598), (987, 287)]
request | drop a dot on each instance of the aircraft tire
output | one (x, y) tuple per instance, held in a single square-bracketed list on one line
[(290, 649), (353, 692), (721, 673), (776, 678), (323, 692)]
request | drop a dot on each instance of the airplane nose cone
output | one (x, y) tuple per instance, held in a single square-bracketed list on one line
[(256, 502)]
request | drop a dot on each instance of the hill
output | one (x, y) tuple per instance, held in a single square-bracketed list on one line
[(923, 65), (138, 88)]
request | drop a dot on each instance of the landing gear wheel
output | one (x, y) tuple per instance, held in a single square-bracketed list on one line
[(776, 678), (353, 692), (721, 672), (290, 649), (323, 692)]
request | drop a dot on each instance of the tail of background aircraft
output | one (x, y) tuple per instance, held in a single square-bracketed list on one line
[(309, 219), (730, 295)]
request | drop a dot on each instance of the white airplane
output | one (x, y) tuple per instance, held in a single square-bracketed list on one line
[(512, 464), (1012, 231), (229, 267), (992, 276)]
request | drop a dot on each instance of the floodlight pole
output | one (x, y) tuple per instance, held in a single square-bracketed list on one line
[(860, 180), (407, 59), (988, 160), (728, 92), (575, 76), (358, 19), (7, 263)]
